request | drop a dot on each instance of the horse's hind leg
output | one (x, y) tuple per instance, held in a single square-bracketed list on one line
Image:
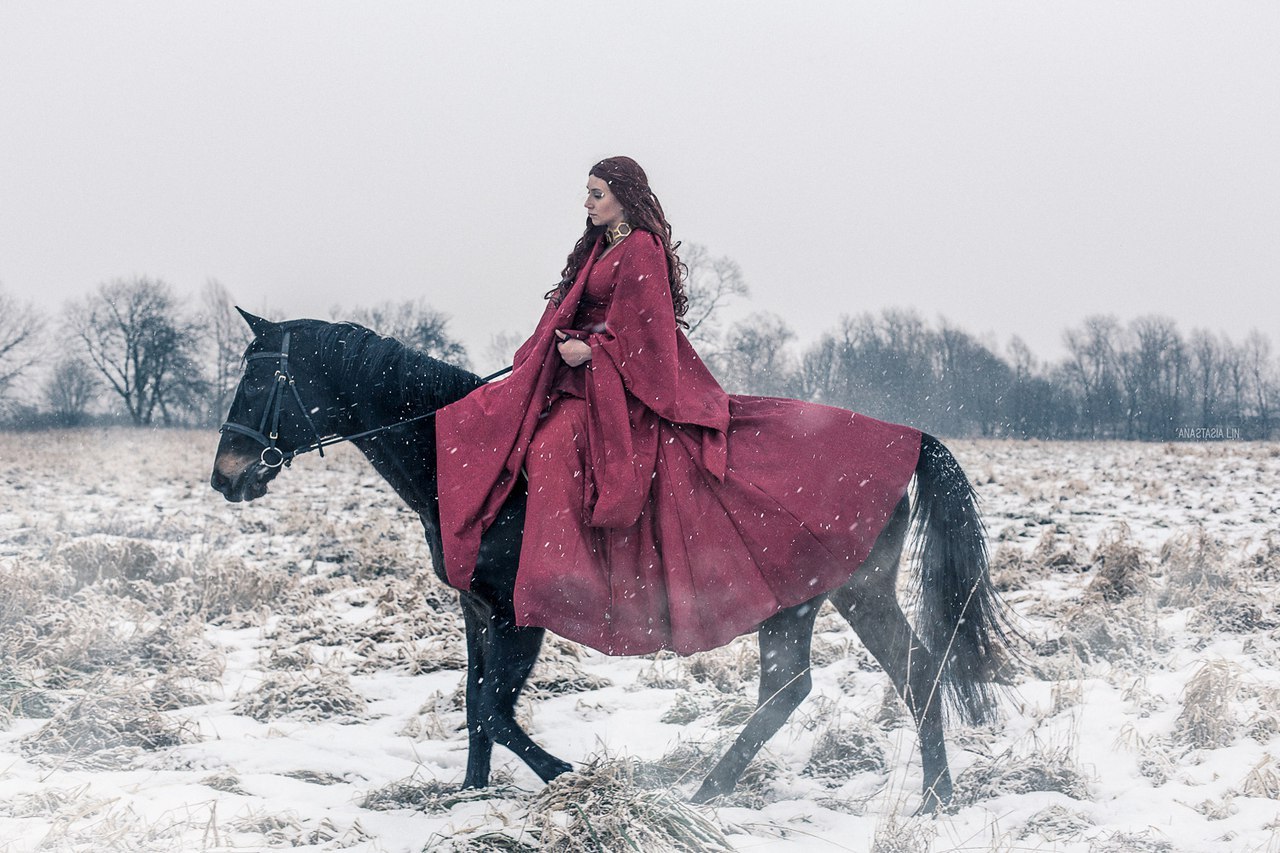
[(870, 602), (784, 682)]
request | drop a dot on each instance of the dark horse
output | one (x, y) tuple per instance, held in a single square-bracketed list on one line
[(308, 382)]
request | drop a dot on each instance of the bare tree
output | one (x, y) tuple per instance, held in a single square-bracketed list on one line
[(1262, 381), (225, 337), (1206, 372), (1150, 362), (502, 346), (1092, 367), (1235, 382), (816, 379), (69, 389), (135, 336), (1034, 405), (755, 360), (20, 327), (414, 323), (972, 382), (711, 284)]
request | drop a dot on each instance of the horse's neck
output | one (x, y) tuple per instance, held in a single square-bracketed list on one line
[(405, 456), (407, 463)]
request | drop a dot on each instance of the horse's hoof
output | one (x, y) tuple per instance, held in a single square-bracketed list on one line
[(706, 793), (934, 803), (557, 768)]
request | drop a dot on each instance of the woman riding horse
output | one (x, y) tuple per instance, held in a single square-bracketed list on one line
[(662, 512), (627, 502)]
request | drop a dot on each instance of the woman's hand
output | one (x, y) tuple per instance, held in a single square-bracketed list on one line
[(574, 352)]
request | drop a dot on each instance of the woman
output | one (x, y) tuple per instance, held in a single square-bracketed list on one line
[(661, 512)]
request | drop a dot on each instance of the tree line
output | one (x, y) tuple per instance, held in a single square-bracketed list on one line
[(156, 359), (1141, 380), (146, 357)]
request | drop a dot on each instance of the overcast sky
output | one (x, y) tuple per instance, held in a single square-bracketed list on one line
[(1012, 167)]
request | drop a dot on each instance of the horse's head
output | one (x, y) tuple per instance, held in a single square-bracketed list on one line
[(283, 403)]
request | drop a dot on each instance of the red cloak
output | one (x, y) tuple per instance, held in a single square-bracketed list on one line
[(662, 513)]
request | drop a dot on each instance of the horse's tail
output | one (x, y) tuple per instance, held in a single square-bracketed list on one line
[(961, 619)]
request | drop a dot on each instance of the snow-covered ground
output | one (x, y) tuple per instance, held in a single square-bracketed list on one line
[(179, 673)]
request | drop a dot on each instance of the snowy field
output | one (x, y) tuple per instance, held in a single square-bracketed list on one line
[(178, 674)]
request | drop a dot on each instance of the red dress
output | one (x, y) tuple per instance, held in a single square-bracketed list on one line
[(662, 513)]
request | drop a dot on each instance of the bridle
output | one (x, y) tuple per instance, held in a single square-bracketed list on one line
[(272, 456)]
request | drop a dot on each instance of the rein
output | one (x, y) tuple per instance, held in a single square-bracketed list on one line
[(272, 456)]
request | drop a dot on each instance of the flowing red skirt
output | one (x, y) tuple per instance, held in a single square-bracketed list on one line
[(808, 490)]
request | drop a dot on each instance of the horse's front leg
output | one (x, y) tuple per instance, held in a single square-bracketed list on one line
[(479, 744), (510, 652)]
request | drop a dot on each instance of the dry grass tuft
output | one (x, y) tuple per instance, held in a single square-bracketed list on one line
[(687, 761), (1041, 770), (829, 648), (684, 710), (730, 669), (909, 835), (1231, 614), (1207, 720), (1120, 568), (1055, 555), (600, 807), (482, 841), (1262, 559), (105, 732), (1219, 809), (1056, 823), (227, 783), (1263, 779), (316, 694), (843, 751), (1197, 567), (1125, 632), (91, 826), (733, 711), (21, 697), (1009, 569), (666, 672), (94, 559), (290, 830), (557, 674), (431, 796), (53, 802), (1157, 755), (1131, 842), (224, 588), (173, 693), (436, 654), (892, 712)]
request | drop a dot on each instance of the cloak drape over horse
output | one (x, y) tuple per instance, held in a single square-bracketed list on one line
[(662, 512)]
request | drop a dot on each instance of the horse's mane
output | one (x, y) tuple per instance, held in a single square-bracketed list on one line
[(377, 370)]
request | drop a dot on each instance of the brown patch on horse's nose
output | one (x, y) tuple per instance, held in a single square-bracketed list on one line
[(232, 465), (228, 468)]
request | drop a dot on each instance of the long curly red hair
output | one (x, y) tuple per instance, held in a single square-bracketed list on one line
[(630, 185)]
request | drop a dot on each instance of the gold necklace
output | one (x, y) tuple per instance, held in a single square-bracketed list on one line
[(616, 232)]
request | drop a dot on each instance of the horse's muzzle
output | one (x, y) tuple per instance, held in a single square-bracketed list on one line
[(249, 484)]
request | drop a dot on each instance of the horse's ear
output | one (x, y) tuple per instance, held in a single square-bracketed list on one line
[(258, 324)]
